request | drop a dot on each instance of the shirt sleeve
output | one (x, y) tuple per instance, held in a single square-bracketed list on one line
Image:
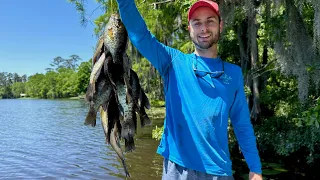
[(159, 55), (240, 119)]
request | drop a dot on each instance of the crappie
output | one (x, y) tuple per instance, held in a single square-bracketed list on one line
[(97, 94), (138, 95), (95, 73), (129, 120), (115, 38)]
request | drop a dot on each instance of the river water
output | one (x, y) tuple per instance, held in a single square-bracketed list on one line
[(46, 139)]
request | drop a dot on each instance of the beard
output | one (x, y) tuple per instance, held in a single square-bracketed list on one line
[(205, 45)]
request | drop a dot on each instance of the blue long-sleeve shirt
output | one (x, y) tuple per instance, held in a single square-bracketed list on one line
[(197, 109)]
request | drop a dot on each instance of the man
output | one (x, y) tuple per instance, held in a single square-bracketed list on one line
[(201, 93)]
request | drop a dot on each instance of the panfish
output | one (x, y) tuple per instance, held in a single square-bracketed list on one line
[(98, 97), (95, 73), (140, 100), (116, 37)]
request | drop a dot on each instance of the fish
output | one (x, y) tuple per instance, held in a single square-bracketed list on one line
[(98, 93), (140, 99), (114, 141), (126, 76), (115, 40), (95, 73), (116, 37), (110, 121), (104, 122), (98, 50), (115, 90), (128, 109), (144, 103), (129, 118)]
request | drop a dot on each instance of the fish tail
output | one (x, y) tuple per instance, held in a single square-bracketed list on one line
[(129, 144), (125, 167), (125, 131), (114, 141), (145, 120), (116, 147), (129, 125), (144, 99), (91, 118), (143, 116), (89, 93)]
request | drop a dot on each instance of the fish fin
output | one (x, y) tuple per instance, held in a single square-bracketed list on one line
[(89, 94), (129, 125), (144, 99), (91, 118), (127, 131), (145, 120), (134, 118)]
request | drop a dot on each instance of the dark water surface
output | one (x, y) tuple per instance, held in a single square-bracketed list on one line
[(46, 139)]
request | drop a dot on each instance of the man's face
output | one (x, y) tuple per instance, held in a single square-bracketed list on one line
[(204, 28)]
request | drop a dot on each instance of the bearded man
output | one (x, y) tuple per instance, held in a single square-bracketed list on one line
[(202, 92)]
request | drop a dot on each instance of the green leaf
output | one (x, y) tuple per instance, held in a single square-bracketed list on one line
[(317, 124)]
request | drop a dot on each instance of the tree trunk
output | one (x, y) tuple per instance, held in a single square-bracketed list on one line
[(244, 54), (243, 45), (265, 76), (252, 35)]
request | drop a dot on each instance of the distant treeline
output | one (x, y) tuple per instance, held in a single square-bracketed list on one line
[(64, 78)]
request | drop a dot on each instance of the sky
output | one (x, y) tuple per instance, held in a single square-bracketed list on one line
[(34, 32)]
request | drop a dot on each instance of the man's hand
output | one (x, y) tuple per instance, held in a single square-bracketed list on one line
[(255, 176)]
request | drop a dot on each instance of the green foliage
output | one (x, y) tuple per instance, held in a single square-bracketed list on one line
[(80, 7), (64, 79), (281, 136), (150, 79), (280, 90), (59, 62), (247, 91), (11, 85), (310, 117), (83, 76), (288, 130), (18, 88), (157, 103), (157, 133)]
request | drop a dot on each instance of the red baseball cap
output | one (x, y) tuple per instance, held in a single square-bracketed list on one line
[(204, 3)]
